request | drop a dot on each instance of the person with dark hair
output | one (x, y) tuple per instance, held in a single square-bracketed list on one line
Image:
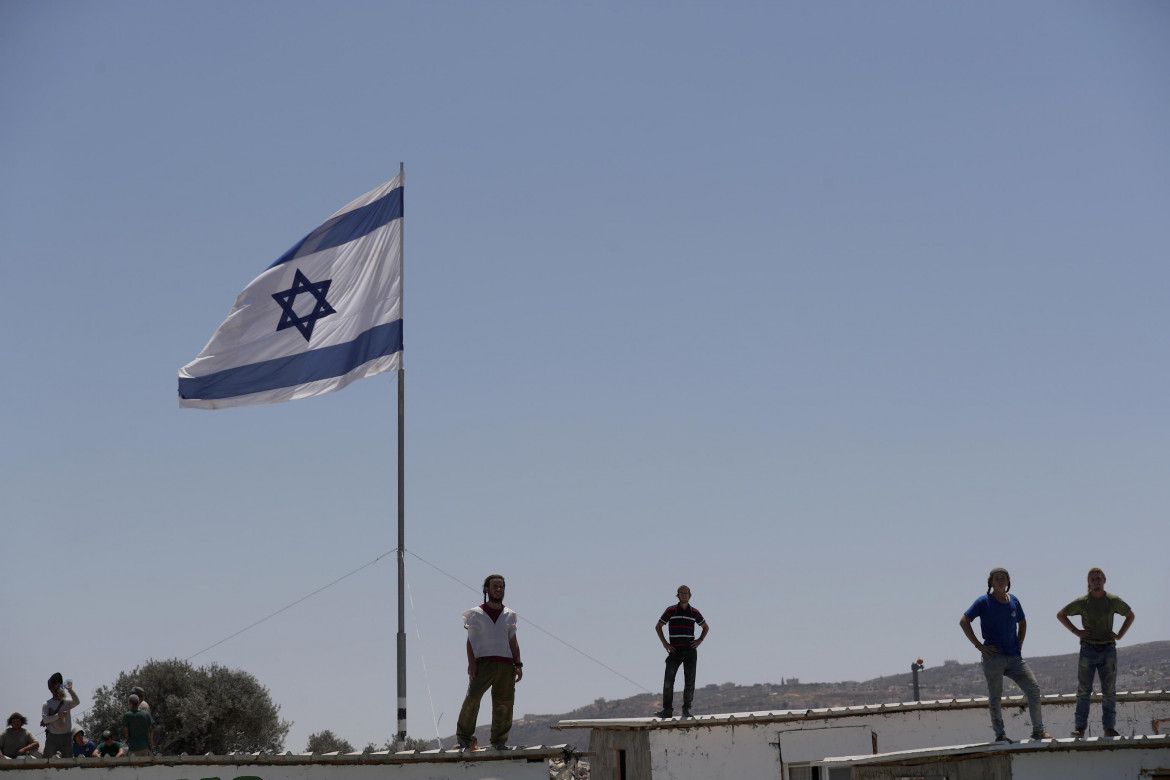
[(16, 741), (109, 748), (56, 719), (681, 650), (1003, 625), (141, 694), (493, 661), (1098, 650)]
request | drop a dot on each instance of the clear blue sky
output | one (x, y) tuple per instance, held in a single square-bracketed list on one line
[(822, 309)]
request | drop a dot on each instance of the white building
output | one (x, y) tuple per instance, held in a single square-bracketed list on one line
[(795, 745)]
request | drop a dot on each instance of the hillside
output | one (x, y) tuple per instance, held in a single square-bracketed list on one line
[(1140, 667)]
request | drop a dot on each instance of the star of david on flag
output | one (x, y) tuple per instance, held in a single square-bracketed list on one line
[(287, 300), (328, 312)]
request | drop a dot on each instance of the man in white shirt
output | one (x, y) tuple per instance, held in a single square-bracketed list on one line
[(56, 719), (493, 661)]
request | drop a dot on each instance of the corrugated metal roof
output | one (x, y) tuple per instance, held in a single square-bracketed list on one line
[(534, 753), (1024, 746), (821, 713)]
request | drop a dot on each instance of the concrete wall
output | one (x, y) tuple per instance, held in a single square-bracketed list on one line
[(604, 763), (981, 768), (1090, 764), (156, 769), (732, 752)]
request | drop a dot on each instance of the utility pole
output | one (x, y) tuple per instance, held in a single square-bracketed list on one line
[(915, 668)]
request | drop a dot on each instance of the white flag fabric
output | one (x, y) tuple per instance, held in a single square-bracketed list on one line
[(328, 312)]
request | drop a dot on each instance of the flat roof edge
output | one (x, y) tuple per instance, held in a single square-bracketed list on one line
[(1067, 745), (536, 752), (820, 713)]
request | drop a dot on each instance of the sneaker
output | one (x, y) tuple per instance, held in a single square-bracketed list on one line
[(461, 745), (1111, 733), (1077, 734), (1002, 738), (499, 746), (687, 712), (664, 713), (1041, 735)]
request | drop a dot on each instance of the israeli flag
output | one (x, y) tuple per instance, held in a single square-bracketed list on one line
[(325, 314)]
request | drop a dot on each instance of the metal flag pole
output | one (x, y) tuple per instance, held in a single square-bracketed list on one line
[(402, 491)]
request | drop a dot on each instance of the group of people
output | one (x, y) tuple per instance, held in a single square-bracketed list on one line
[(1003, 628), (63, 740), (493, 660), (493, 654)]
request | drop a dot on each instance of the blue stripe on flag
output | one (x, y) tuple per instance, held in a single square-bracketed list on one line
[(348, 226), (310, 366)]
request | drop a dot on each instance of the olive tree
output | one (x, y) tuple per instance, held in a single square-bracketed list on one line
[(196, 710), (327, 742), (395, 745)]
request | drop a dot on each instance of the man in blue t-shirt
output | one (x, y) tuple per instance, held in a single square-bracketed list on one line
[(1002, 623), (681, 650)]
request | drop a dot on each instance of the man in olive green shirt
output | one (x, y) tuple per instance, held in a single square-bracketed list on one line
[(1098, 649)]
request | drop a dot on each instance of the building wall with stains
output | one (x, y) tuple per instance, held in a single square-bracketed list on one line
[(1127, 764), (425, 766), (619, 754), (746, 751), (979, 768)]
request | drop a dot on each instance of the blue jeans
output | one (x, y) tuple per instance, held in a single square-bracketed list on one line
[(998, 666), (1102, 661)]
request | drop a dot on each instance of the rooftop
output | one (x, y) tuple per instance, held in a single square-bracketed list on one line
[(535, 753), (780, 716), (995, 748)]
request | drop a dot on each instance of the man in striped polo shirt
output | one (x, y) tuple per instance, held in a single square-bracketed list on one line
[(681, 650)]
